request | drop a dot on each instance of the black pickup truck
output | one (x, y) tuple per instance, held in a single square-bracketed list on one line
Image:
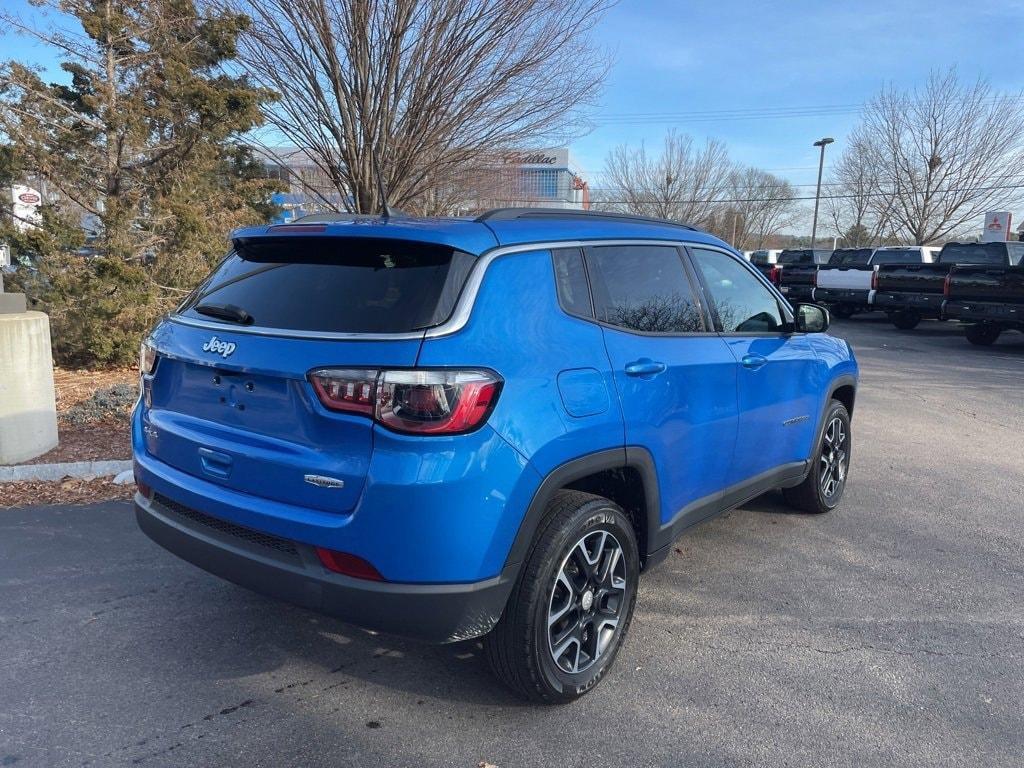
[(910, 292), (795, 271), (989, 297)]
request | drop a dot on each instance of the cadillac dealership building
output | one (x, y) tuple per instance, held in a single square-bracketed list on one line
[(546, 178)]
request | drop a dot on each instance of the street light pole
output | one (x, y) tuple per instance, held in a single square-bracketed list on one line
[(817, 195)]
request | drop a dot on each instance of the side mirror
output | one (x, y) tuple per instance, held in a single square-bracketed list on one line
[(810, 318)]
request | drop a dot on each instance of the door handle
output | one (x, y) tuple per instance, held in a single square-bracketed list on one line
[(753, 362), (215, 463), (644, 367)]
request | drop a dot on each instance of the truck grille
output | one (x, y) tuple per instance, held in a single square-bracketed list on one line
[(266, 540)]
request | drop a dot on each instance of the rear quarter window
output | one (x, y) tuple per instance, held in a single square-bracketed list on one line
[(909, 256), (973, 253), (335, 284)]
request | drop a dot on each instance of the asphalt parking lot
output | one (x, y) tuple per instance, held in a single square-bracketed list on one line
[(890, 632)]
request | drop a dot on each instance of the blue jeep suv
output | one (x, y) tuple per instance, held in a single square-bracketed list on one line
[(457, 428)]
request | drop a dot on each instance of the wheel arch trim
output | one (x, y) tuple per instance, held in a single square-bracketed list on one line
[(631, 457)]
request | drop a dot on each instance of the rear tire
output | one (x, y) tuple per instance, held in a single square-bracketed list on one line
[(983, 334), (905, 320), (822, 489), (842, 311), (572, 604)]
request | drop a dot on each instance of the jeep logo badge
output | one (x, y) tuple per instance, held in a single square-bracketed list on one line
[(218, 347)]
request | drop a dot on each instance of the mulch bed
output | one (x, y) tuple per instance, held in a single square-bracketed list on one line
[(99, 441), (74, 386), (33, 493)]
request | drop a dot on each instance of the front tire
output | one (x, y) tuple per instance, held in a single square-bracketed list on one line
[(822, 489), (983, 334), (572, 604), (905, 320)]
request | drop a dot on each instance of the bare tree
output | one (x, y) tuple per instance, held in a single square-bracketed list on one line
[(944, 154), (683, 183), (759, 205), (422, 86)]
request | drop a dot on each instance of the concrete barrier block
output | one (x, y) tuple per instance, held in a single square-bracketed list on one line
[(28, 409), (12, 303)]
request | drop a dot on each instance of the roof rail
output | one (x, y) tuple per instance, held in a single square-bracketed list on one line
[(515, 214)]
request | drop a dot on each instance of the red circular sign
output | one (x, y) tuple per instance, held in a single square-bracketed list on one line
[(29, 197)]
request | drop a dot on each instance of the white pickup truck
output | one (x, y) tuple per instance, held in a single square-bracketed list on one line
[(846, 283)]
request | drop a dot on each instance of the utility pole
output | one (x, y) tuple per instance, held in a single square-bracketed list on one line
[(817, 195)]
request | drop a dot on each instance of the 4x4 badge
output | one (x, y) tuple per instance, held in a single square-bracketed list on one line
[(218, 347)]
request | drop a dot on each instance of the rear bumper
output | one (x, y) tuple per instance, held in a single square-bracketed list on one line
[(924, 303), (291, 571), (852, 296), (986, 312)]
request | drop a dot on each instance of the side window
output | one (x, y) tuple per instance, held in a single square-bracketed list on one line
[(571, 279), (643, 288), (743, 304)]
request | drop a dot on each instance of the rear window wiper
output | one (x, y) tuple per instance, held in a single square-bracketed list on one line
[(228, 312)]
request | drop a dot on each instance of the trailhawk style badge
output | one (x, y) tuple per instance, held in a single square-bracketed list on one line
[(218, 347)]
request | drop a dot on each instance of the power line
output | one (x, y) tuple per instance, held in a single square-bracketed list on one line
[(755, 113), (852, 196)]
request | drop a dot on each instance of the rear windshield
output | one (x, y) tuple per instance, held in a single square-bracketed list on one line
[(898, 256), (850, 257), (796, 257), (759, 257), (333, 284), (973, 253)]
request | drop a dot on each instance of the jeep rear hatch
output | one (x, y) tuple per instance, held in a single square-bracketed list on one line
[(230, 398)]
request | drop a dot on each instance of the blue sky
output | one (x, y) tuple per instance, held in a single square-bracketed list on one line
[(744, 56)]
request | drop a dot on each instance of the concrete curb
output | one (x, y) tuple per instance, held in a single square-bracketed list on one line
[(81, 470)]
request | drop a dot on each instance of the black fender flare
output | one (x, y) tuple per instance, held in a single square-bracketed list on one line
[(843, 380), (633, 457)]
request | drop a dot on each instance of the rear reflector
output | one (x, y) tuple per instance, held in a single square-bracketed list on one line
[(144, 489), (348, 565)]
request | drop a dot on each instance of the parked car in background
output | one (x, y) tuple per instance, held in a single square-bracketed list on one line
[(796, 270), (764, 258), (847, 283), (844, 283), (988, 296), (449, 429), (911, 290)]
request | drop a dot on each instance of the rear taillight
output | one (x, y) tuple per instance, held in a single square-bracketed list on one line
[(415, 401), (945, 284), (775, 275), (346, 389), (147, 359), (815, 278), (874, 280)]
